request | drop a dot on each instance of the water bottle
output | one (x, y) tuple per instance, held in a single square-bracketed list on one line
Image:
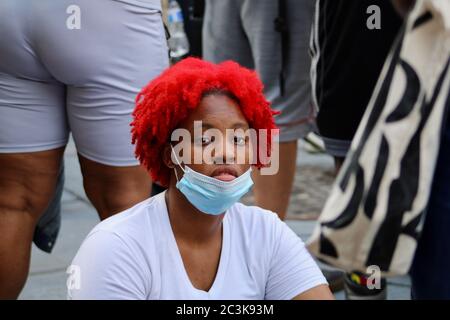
[(178, 41)]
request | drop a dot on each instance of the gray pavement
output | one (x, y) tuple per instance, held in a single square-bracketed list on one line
[(47, 278)]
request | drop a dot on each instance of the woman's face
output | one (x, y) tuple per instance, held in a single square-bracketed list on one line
[(220, 142)]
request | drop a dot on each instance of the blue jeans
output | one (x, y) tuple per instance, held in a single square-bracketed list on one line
[(430, 272)]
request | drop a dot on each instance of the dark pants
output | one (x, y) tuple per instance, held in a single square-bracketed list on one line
[(430, 272)]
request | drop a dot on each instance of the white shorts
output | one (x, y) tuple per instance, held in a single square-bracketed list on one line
[(76, 66), (244, 31)]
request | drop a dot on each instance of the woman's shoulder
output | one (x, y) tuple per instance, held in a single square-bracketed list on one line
[(133, 223), (253, 212), (254, 218)]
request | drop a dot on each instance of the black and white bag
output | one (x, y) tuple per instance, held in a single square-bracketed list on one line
[(375, 211)]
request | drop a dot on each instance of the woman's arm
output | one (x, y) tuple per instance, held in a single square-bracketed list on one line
[(108, 269), (293, 273), (321, 292)]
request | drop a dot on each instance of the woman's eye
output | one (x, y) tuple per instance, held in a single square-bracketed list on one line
[(240, 141), (204, 140)]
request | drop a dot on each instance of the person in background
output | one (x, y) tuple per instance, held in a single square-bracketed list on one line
[(348, 52), (270, 37), (69, 66), (432, 257)]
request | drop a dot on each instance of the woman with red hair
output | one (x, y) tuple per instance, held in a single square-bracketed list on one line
[(195, 241)]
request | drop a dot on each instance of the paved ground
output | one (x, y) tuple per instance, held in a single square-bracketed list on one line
[(47, 273)]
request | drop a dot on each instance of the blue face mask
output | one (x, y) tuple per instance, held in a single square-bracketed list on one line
[(210, 195)]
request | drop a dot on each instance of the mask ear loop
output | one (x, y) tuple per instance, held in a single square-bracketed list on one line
[(177, 161)]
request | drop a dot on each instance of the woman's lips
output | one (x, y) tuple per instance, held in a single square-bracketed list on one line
[(224, 177), (224, 173)]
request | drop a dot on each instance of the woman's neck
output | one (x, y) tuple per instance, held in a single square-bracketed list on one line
[(188, 223)]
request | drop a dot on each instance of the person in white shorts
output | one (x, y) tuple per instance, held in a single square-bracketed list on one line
[(194, 241), (271, 37), (69, 66)]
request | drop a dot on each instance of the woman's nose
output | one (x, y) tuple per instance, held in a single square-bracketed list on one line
[(224, 152)]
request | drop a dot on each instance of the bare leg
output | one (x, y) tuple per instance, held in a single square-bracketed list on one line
[(114, 189), (273, 192), (27, 183)]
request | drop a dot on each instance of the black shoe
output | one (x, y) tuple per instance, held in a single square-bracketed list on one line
[(356, 288)]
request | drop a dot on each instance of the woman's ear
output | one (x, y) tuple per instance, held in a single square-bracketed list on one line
[(167, 156)]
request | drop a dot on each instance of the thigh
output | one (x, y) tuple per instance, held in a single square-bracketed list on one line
[(114, 189), (27, 184), (223, 36), (100, 109), (104, 64), (297, 115), (32, 114)]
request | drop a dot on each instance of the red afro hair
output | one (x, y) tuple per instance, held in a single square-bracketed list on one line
[(170, 97)]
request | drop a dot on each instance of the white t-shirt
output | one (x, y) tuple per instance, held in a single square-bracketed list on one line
[(134, 255)]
